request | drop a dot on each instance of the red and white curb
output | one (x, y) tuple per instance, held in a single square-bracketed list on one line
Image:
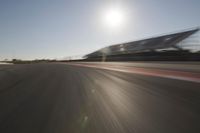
[(172, 74)]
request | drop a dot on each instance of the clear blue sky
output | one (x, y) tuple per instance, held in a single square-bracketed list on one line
[(31, 29)]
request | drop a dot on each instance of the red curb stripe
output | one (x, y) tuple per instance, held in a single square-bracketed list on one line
[(180, 75)]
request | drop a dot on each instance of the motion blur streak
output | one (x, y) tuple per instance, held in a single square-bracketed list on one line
[(181, 75), (60, 98)]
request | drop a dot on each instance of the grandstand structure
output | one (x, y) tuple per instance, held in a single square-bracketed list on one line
[(183, 45)]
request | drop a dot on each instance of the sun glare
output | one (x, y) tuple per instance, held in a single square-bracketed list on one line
[(114, 17)]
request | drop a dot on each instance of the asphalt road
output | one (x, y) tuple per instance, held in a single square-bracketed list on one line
[(64, 98), (177, 66)]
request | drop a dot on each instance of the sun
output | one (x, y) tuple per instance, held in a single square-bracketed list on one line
[(114, 17)]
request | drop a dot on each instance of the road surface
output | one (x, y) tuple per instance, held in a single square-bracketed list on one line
[(70, 98)]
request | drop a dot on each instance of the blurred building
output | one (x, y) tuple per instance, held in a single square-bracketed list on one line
[(166, 46)]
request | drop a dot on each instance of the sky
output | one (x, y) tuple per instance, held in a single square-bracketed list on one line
[(37, 29)]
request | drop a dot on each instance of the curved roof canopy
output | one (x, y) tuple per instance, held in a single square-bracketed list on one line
[(151, 44)]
